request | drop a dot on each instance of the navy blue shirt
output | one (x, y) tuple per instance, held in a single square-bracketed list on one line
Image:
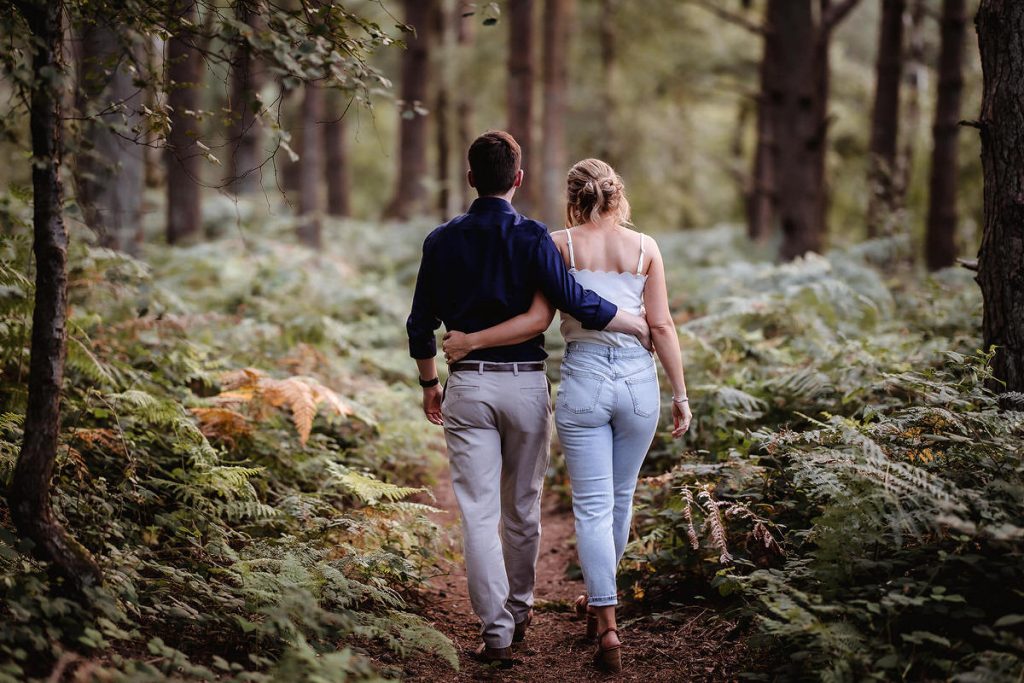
[(482, 268)]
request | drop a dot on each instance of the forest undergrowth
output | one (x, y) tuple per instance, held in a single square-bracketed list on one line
[(241, 438)]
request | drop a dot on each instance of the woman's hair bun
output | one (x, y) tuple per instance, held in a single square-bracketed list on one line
[(594, 189)]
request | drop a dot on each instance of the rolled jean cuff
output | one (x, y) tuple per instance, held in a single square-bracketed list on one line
[(603, 601)]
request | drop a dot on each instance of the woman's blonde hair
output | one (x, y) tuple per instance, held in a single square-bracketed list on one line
[(594, 190)]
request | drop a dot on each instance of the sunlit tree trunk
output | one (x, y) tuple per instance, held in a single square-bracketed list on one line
[(411, 191), (555, 156), (246, 135), (109, 166), (29, 492), (885, 118), (522, 70), (940, 239), (1000, 25), (338, 172), (183, 158), (311, 167)]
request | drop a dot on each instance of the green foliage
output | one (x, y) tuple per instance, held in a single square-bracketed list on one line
[(852, 477), (235, 545)]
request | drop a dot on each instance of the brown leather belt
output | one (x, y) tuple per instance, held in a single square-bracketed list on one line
[(478, 366)]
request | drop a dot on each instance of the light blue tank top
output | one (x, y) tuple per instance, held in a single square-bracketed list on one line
[(625, 290)]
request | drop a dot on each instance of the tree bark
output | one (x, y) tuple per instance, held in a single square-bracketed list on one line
[(522, 71), (109, 168), (444, 18), (555, 156), (762, 202), (885, 118), (464, 115), (311, 167), (940, 237), (29, 493), (800, 103), (410, 191), (246, 132), (915, 75), (608, 43), (1000, 24), (183, 157), (338, 171)]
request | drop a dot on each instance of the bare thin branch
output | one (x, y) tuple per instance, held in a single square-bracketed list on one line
[(732, 17)]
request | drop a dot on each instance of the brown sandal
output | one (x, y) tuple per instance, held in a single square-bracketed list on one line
[(608, 659), (582, 611)]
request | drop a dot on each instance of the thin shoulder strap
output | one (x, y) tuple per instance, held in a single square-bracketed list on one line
[(572, 256), (640, 263)]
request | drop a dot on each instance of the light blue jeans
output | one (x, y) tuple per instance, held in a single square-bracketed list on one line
[(606, 414)]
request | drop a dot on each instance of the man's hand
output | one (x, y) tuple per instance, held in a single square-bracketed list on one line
[(432, 404), (681, 417), (456, 346), (635, 325)]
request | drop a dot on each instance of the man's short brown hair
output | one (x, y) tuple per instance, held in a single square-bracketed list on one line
[(494, 159)]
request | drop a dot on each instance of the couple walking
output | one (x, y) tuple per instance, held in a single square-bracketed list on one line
[(494, 278)]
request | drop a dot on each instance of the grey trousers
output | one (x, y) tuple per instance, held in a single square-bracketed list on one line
[(498, 426)]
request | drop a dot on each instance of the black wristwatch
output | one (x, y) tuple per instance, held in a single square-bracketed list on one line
[(427, 383)]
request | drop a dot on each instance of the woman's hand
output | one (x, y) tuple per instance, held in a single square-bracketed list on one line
[(681, 417), (456, 346)]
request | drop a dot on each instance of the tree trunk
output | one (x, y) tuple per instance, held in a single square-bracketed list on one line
[(607, 40), (289, 169), (410, 191), (800, 126), (762, 202), (1000, 24), (109, 168), (555, 156), (797, 134), (885, 117), (246, 132), (183, 157), (915, 75), (464, 115), (338, 171), (311, 167), (940, 239), (444, 17), (29, 493), (522, 70)]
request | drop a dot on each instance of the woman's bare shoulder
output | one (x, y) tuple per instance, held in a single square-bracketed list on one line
[(559, 237)]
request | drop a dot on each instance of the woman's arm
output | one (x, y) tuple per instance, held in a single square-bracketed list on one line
[(665, 338), (521, 328)]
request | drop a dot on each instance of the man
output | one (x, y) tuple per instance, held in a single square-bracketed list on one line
[(478, 270)]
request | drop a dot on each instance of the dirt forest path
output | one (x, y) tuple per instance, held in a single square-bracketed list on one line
[(698, 646)]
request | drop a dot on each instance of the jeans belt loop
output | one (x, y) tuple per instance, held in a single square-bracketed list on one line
[(480, 369), (515, 369)]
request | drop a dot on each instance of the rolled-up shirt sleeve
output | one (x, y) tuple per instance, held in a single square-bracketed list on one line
[(564, 293), (423, 321)]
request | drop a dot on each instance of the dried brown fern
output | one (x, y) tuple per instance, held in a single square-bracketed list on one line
[(222, 424)]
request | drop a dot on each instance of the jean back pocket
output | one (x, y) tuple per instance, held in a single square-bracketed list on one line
[(580, 390), (644, 392)]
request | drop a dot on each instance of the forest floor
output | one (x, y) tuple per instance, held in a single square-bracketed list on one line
[(696, 645)]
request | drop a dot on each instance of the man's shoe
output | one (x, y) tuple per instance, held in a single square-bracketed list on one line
[(501, 656), (519, 634)]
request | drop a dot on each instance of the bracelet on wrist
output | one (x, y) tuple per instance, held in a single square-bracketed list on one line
[(427, 383), (680, 399)]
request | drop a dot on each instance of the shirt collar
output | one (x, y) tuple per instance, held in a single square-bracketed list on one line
[(492, 205)]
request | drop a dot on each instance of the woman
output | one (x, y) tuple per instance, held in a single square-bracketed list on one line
[(608, 400)]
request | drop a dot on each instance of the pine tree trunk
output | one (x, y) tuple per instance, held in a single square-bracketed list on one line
[(29, 492), (940, 239), (410, 191), (464, 117), (607, 39), (183, 157), (555, 156), (338, 171), (109, 168), (289, 169), (522, 70), (885, 118), (246, 133), (797, 128), (311, 167), (762, 201), (444, 18), (915, 75), (1000, 25)]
